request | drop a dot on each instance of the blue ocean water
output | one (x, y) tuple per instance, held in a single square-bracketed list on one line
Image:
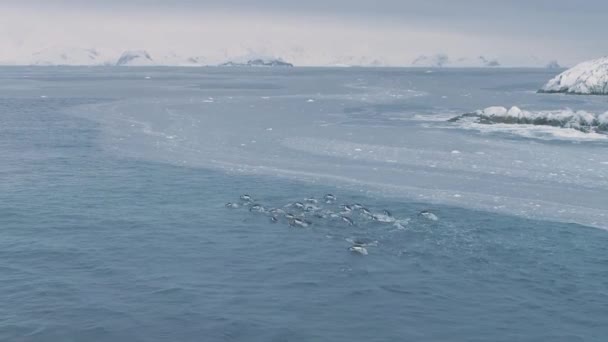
[(104, 246)]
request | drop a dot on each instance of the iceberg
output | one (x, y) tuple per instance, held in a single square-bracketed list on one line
[(587, 78)]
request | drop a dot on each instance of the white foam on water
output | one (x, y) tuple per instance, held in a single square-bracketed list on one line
[(535, 131)]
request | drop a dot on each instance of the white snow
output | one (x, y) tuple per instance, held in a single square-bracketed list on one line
[(442, 60), (495, 111), (135, 58), (62, 56), (589, 77), (566, 118)]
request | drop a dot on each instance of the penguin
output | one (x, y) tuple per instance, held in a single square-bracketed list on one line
[(428, 215), (347, 220), (329, 198), (311, 200), (301, 223), (346, 208), (257, 208), (357, 249), (366, 212), (357, 206)]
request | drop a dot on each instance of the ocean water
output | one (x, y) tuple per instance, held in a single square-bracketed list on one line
[(113, 224)]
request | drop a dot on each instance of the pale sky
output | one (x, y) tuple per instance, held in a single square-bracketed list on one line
[(312, 32)]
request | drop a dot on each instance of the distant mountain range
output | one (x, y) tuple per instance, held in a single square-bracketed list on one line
[(442, 60), (94, 57), (258, 62), (58, 56)]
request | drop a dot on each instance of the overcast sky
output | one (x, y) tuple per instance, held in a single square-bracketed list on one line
[(394, 32)]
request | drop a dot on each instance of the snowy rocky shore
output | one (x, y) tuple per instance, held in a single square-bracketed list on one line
[(587, 78), (579, 120)]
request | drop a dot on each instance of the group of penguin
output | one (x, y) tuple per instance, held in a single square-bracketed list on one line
[(301, 214)]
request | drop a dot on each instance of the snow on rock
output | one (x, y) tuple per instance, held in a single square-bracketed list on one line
[(135, 58), (358, 61), (258, 62), (436, 61), (62, 56), (587, 78), (579, 120), (442, 60), (553, 65), (174, 59)]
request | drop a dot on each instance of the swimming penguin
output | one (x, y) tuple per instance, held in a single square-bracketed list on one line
[(385, 217), (296, 222), (245, 198), (363, 242), (428, 215), (366, 212), (346, 208), (274, 219), (329, 198), (290, 216), (310, 208), (257, 208), (347, 220), (356, 249), (311, 200), (299, 205), (276, 212), (230, 205), (400, 224), (357, 206)]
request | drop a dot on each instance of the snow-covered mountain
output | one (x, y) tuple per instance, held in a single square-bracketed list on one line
[(587, 78), (70, 56), (358, 61), (60, 56), (258, 62), (437, 61), (553, 65), (266, 57), (442, 60), (135, 58)]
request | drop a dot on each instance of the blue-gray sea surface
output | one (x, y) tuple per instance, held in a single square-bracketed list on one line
[(114, 232)]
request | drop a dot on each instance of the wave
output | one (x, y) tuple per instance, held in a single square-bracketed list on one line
[(578, 120)]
